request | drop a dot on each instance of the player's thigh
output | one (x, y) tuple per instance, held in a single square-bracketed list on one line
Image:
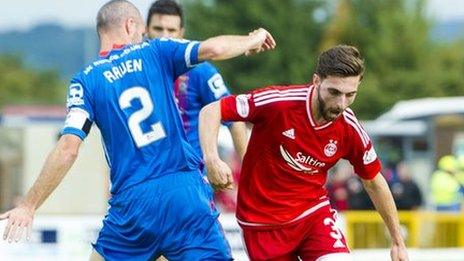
[(279, 244), (195, 233), (325, 239), (95, 256)]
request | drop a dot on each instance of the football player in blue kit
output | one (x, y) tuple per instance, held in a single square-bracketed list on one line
[(198, 87), (160, 205)]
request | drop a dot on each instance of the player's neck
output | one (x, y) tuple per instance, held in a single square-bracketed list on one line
[(108, 42), (315, 110)]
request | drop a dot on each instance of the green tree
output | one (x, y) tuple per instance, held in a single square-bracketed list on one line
[(295, 24), (401, 60), (447, 69), (19, 85)]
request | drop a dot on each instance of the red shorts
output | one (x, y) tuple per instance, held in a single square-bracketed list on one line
[(313, 236)]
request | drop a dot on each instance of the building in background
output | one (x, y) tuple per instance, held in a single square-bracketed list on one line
[(27, 135), (419, 132)]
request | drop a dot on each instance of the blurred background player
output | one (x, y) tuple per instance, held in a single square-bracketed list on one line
[(128, 94), (299, 133), (198, 87), (195, 89)]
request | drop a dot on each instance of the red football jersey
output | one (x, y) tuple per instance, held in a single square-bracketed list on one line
[(285, 167)]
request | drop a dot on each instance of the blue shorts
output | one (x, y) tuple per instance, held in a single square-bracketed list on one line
[(173, 216)]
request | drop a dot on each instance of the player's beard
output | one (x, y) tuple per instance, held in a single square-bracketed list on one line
[(329, 114)]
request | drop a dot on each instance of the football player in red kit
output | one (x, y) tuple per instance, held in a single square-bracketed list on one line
[(299, 133)]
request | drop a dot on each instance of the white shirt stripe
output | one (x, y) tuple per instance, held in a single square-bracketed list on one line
[(274, 95), (305, 89), (356, 128), (308, 107), (280, 99), (355, 121)]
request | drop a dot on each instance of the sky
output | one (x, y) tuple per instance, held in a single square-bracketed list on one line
[(24, 14)]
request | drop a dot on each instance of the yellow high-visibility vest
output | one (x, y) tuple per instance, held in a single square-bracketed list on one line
[(445, 188)]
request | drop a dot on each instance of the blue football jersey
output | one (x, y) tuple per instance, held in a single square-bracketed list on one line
[(129, 95), (195, 89)]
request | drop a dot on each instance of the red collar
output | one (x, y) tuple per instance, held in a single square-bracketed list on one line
[(115, 47), (309, 111)]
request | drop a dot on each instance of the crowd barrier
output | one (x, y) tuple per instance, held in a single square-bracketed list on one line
[(429, 236), (421, 229)]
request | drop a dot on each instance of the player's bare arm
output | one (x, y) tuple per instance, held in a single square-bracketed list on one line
[(381, 196), (240, 138), (229, 46), (219, 173), (58, 162)]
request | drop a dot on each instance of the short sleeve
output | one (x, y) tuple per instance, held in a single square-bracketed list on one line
[(80, 114), (361, 152), (239, 108), (181, 54), (212, 86)]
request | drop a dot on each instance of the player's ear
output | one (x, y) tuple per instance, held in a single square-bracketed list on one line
[(316, 79), (130, 26), (182, 32)]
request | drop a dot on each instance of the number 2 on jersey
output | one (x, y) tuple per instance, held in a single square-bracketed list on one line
[(157, 131)]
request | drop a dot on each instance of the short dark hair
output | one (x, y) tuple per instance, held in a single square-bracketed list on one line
[(166, 7), (342, 61)]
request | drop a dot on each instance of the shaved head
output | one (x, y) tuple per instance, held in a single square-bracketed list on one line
[(113, 14)]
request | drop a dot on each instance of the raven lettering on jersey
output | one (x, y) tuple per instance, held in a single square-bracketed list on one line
[(117, 72), (129, 94)]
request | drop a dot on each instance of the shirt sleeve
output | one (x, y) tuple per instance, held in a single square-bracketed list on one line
[(181, 55), (80, 114), (361, 152), (212, 86), (240, 108)]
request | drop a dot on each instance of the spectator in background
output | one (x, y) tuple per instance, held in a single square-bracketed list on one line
[(337, 187), (358, 199), (460, 174), (446, 189), (405, 191)]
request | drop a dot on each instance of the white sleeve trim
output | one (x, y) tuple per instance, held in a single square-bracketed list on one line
[(188, 52)]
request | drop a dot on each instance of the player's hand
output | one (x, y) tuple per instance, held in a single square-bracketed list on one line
[(265, 41), (399, 253), (19, 221), (219, 175)]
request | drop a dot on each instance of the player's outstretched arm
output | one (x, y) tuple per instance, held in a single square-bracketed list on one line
[(58, 162), (219, 174), (239, 135), (228, 46), (380, 194)]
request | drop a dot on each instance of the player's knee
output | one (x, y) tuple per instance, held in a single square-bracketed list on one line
[(95, 256), (336, 257)]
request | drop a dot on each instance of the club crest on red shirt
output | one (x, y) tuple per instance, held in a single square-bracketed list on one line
[(331, 148)]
